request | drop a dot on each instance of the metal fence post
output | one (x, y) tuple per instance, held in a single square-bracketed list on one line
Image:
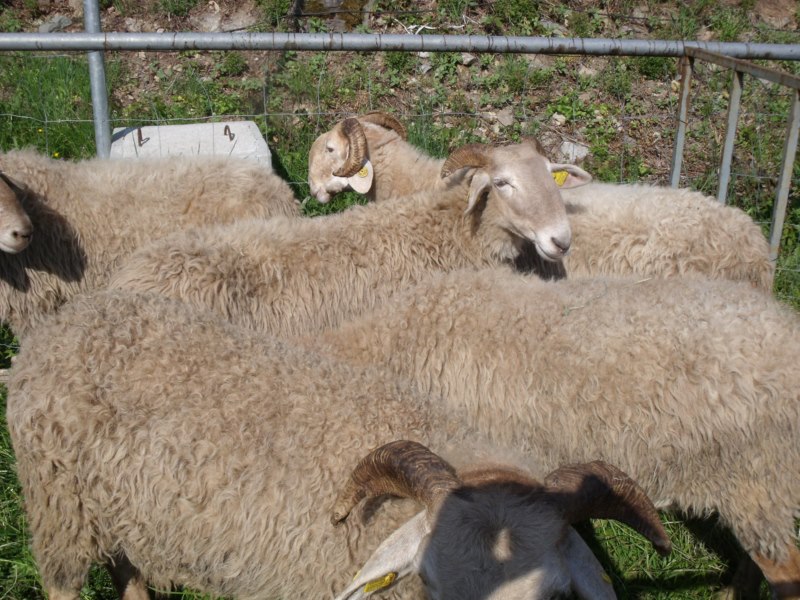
[(686, 66), (785, 179), (97, 80), (730, 136)]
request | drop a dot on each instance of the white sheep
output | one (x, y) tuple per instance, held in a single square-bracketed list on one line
[(690, 385), (15, 225), (288, 277), (617, 229), (88, 215), (370, 155), (653, 230), (140, 449)]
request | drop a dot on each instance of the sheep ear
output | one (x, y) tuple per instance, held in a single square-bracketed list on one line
[(361, 182), (397, 557), (480, 181), (568, 176), (589, 580)]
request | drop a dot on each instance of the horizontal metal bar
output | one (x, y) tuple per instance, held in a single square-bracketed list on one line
[(787, 79), (365, 42)]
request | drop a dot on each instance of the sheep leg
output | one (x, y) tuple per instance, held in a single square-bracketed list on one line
[(783, 577), (127, 579)]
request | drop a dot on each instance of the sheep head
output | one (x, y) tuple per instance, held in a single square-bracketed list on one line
[(517, 181), (338, 159), (493, 533), (16, 229)]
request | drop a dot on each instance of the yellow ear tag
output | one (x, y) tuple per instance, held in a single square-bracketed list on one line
[(381, 583), (560, 177), (363, 172)]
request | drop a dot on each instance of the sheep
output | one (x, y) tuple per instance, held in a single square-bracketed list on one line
[(221, 471), (617, 229), (87, 215), (15, 225), (690, 385), (291, 277), (370, 155), (652, 230)]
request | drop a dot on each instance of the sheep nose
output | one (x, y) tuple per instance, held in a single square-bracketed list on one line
[(24, 234), (562, 245)]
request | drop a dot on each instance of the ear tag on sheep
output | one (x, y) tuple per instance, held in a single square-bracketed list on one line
[(362, 181), (379, 584), (560, 177)]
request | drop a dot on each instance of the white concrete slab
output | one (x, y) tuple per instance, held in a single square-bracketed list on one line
[(232, 138)]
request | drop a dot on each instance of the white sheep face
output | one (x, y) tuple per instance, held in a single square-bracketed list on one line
[(518, 182), (328, 153)]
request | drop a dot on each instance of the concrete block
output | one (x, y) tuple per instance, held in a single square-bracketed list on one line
[(233, 138)]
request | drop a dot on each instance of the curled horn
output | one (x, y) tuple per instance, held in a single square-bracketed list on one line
[(385, 120), (401, 468), (599, 490), (357, 143), (471, 155)]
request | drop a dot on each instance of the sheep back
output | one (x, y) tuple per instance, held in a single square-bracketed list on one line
[(208, 455), (691, 385), (621, 229), (87, 215)]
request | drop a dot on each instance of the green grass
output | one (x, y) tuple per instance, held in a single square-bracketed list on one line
[(295, 96)]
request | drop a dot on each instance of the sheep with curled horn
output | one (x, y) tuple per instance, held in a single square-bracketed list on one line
[(370, 155), (690, 385), (618, 229), (465, 547), (140, 450), (90, 214), (288, 277)]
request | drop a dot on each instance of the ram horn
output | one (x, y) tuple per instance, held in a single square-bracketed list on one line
[(357, 148), (401, 468), (601, 491), (384, 120), (471, 155)]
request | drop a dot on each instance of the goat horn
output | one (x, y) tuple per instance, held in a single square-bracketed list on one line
[(357, 144), (401, 468), (471, 155), (385, 120), (599, 490)]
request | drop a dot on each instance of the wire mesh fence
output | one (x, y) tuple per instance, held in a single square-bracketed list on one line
[(616, 116)]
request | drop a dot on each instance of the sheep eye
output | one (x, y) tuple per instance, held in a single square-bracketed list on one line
[(500, 182), (329, 148)]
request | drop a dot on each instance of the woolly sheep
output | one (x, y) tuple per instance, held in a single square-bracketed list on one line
[(291, 277), (88, 215), (652, 230), (690, 385), (370, 155), (617, 229), (138, 448), (15, 225)]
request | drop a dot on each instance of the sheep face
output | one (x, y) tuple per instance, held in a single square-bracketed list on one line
[(16, 229), (492, 533), (516, 184), (338, 161)]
